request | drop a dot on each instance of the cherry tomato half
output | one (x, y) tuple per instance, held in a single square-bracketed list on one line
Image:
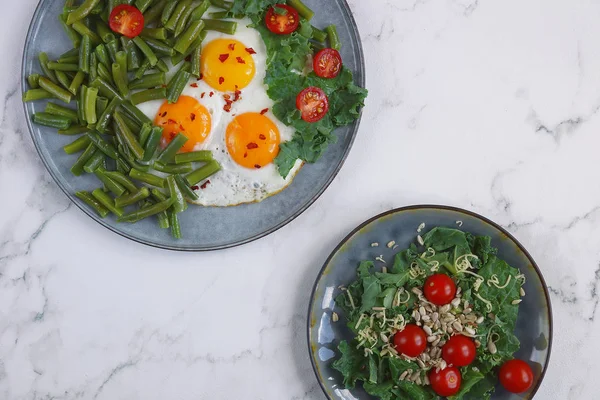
[(327, 63), (459, 351), (439, 289), (516, 376), (445, 382), (312, 103), (282, 21), (126, 20), (411, 341)]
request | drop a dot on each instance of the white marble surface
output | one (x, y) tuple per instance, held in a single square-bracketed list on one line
[(490, 105)]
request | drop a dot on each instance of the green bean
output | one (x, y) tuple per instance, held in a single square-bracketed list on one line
[(168, 11), (55, 109), (104, 117), (183, 20), (177, 58), (83, 30), (319, 35), (177, 84), (105, 88), (63, 79), (139, 42), (194, 156), (82, 11), (88, 199), (154, 12), (128, 136), (163, 217), (202, 173), (143, 5), (187, 38), (102, 144), (68, 60), (79, 101), (77, 145), (162, 66), (148, 178), (145, 133), (133, 56), (43, 58), (159, 48), (98, 8), (104, 32), (177, 14), (225, 5), (113, 48), (119, 77), (33, 81), (71, 33), (200, 10), (132, 198), (139, 74), (93, 67), (154, 33), (74, 130), (128, 157), (146, 212), (55, 90), (135, 113), (101, 104), (76, 82), (334, 39), (185, 188), (149, 81), (36, 94), (105, 74), (179, 204), (131, 123), (94, 162), (107, 202), (152, 143), (302, 9), (102, 55), (89, 99), (168, 154), (173, 168), (196, 67), (148, 95), (56, 66), (84, 54), (77, 168), (228, 27), (113, 186), (53, 121), (70, 53), (122, 180), (175, 227), (123, 166)]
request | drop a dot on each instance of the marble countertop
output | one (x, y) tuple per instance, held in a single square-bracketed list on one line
[(486, 105)]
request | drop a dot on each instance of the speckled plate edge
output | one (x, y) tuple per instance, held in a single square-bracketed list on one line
[(359, 76), (425, 207)]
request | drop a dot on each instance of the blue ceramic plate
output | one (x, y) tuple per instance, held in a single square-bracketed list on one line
[(534, 325), (204, 228)]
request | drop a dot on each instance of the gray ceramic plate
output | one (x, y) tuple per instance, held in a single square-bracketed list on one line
[(204, 228), (534, 325)]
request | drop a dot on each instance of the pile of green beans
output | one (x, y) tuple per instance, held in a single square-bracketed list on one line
[(105, 75)]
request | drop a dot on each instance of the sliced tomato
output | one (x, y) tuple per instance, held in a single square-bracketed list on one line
[(327, 63), (126, 20), (312, 103), (282, 19)]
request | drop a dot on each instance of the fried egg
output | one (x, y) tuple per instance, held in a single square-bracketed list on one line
[(229, 113)]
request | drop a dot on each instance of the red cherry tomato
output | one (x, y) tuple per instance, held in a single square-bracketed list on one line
[(516, 376), (313, 104), (459, 351), (282, 21), (445, 382), (126, 20), (439, 289), (327, 63), (411, 341)]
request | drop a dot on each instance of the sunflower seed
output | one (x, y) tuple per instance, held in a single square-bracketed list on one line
[(515, 302), (435, 316), (422, 311), (415, 376), (455, 302), (479, 320), (384, 352), (432, 338), (458, 290), (426, 318), (436, 343), (522, 292), (450, 330), (467, 311), (335, 317), (427, 330), (477, 344), (384, 338), (470, 330), (421, 227), (417, 315), (492, 347), (441, 343), (374, 244), (417, 291), (420, 240), (445, 309), (466, 304), (436, 324), (443, 365), (457, 325), (384, 270), (420, 363), (391, 244), (426, 380), (403, 375)]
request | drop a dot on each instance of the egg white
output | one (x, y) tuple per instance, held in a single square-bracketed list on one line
[(234, 184)]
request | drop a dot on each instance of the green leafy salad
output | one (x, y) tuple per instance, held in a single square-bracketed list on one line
[(438, 322)]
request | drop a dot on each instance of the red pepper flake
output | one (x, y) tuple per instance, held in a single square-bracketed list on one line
[(251, 146), (211, 94), (163, 114), (240, 60), (227, 107), (245, 155), (195, 187), (237, 95), (262, 137), (200, 77), (250, 50), (188, 58), (205, 184), (221, 80), (223, 57), (232, 46), (163, 85), (192, 116), (171, 121), (181, 128), (256, 166), (202, 95), (263, 112), (194, 85), (172, 135), (226, 96)]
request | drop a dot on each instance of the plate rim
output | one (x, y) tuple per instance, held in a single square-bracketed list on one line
[(360, 77), (428, 207)]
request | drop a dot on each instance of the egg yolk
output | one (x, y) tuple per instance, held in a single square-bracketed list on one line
[(252, 140), (227, 65), (186, 116)]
